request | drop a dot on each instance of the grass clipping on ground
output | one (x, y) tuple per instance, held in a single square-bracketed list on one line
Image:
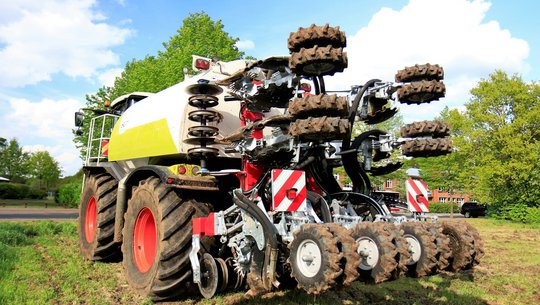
[(40, 264)]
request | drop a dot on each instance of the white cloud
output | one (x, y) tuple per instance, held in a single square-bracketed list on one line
[(452, 33), (108, 77), (41, 38), (47, 122), (245, 44)]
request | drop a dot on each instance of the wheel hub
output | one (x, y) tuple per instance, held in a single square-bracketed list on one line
[(144, 240), (309, 258), (414, 248), (90, 220), (369, 253)]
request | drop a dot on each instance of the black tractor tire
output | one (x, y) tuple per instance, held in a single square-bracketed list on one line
[(436, 129), (351, 259), (417, 232), (426, 147), (321, 128), (168, 274), (96, 218), (316, 35), (318, 61), (381, 238), (421, 92), (420, 72), (443, 246), (402, 255), (461, 245), (325, 277), (319, 105), (478, 243)]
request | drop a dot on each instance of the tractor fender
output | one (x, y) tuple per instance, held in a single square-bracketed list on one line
[(163, 173)]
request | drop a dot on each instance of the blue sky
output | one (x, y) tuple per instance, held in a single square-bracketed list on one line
[(53, 52)]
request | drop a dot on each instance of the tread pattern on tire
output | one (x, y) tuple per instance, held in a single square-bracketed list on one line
[(427, 147), (316, 105), (321, 128), (461, 245), (402, 256), (104, 188), (437, 129), (428, 259), (420, 72), (316, 35), (318, 55), (386, 264), (172, 275), (443, 246), (331, 268), (351, 259), (478, 244), (421, 92)]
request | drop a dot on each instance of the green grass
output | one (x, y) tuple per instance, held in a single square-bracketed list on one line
[(40, 264)]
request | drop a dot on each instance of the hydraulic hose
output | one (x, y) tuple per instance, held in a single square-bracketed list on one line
[(354, 108)]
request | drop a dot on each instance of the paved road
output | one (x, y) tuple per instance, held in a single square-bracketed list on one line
[(37, 213)]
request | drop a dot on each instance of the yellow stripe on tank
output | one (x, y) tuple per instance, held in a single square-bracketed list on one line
[(148, 140)]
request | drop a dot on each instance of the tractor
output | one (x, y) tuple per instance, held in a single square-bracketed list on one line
[(225, 180)]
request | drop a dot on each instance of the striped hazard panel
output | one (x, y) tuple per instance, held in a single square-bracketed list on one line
[(288, 190), (417, 196)]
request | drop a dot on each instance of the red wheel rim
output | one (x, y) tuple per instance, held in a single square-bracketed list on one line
[(144, 240), (90, 220)]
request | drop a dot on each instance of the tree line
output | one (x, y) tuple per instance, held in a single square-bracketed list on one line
[(37, 169)]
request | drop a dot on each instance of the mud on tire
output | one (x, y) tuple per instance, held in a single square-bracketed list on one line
[(96, 218), (421, 92), (375, 236), (325, 269), (317, 105), (351, 259), (321, 128), (437, 129), (443, 246), (402, 256), (461, 245), (319, 60), (316, 35), (426, 147), (165, 271), (478, 244), (417, 235), (420, 72)]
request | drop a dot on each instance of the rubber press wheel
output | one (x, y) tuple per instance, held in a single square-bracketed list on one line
[(315, 258)]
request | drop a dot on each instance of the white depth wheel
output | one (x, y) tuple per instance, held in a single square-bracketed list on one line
[(415, 249), (369, 253), (308, 258)]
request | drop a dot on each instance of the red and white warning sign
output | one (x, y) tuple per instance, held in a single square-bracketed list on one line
[(288, 190), (417, 195)]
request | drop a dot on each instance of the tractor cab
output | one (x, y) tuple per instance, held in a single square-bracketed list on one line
[(123, 102)]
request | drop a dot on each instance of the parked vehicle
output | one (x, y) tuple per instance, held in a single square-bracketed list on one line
[(473, 209)]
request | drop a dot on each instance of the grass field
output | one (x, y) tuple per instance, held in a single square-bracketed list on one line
[(40, 264)]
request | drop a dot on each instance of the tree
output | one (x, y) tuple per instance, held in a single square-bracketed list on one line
[(13, 161), (497, 144), (43, 169), (198, 35)]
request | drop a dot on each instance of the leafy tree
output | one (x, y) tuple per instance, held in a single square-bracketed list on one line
[(13, 161), (3, 142), (198, 35), (43, 169), (497, 144)]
